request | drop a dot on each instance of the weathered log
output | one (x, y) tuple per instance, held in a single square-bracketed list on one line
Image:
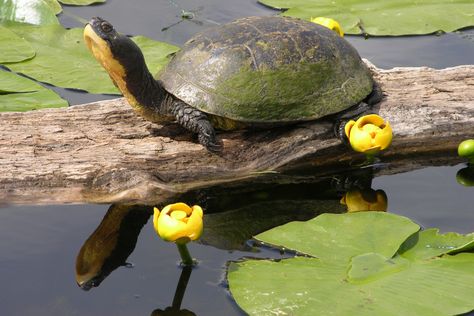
[(103, 152)]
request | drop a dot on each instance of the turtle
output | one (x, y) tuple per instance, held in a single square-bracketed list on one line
[(254, 72)]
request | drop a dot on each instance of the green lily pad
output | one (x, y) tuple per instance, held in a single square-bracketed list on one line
[(396, 17), (354, 274), (14, 48), (385, 235), (22, 94), (55, 6), (63, 60), (429, 244), (38, 12), (80, 2)]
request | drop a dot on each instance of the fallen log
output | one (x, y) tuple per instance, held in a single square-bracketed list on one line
[(103, 152)]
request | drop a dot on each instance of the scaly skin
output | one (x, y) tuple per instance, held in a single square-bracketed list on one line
[(197, 122)]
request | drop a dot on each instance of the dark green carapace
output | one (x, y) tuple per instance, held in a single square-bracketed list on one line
[(268, 70)]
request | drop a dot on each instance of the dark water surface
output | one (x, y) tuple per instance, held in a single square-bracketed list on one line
[(39, 244)]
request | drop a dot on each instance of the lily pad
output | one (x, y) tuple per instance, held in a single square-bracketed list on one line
[(430, 243), (351, 272), (81, 2), (22, 94), (396, 17), (38, 12), (14, 48), (63, 60), (55, 6), (385, 235)]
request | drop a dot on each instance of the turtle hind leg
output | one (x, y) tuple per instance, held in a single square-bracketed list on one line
[(197, 122), (373, 98)]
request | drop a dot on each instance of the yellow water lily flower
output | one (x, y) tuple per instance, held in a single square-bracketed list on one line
[(178, 222), (369, 134), (365, 200), (329, 23)]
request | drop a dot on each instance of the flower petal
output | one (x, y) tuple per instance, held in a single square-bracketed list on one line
[(329, 23), (170, 229), (177, 206), (370, 119), (156, 215), (384, 138), (360, 140), (348, 127), (195, 223)]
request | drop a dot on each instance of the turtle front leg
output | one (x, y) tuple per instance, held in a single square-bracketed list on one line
[(197, 122)]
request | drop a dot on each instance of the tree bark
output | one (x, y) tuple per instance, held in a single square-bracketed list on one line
[(103, 152)]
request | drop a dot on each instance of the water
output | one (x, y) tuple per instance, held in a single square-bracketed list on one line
[(39, 244)]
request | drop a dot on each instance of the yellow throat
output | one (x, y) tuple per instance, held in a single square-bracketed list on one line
[(103, 54)]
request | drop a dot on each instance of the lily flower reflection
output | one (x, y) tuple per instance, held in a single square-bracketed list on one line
[(359, 200)]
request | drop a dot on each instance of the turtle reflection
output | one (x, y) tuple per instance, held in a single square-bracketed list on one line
[(110, 244)]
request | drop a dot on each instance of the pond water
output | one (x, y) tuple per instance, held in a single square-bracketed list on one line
[(39, 244)]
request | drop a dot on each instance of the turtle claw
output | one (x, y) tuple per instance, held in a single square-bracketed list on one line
[(210, 142), (207, 138), (215, 148)]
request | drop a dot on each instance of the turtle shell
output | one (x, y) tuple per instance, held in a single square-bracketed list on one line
[(267, 70)]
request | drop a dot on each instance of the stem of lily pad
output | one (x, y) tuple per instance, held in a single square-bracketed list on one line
[(186, 258), (370, 159)]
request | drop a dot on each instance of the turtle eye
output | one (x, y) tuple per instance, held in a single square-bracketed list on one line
[(106, 27)]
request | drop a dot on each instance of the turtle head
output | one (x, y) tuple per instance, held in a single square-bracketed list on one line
[(117, 53), (122, 59)]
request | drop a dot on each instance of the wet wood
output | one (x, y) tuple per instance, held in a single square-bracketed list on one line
[(103, 152)]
